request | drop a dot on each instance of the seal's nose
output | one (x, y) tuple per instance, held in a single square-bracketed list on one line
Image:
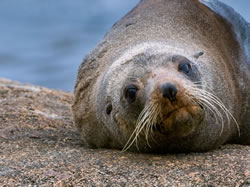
[(169, 91)]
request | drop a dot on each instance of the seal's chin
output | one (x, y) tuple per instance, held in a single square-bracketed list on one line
[(180, 122)]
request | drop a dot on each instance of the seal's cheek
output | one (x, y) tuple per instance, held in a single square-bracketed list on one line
[(182, 121)]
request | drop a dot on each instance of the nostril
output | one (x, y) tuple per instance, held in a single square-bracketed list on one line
[(169, 91)]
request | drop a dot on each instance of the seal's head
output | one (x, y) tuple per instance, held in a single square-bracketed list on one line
[(150, 98), (155, 101)]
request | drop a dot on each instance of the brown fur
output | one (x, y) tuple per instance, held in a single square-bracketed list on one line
[(184, 27)]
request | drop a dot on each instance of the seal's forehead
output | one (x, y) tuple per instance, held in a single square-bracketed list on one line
[(145, 50), (147, 59)]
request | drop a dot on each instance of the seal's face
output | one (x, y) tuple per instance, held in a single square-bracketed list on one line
[(154, 98)]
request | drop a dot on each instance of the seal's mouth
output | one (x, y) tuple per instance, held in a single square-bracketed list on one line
[(179, 119)]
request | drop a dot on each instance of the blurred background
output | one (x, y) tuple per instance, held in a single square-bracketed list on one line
[(43, 42)]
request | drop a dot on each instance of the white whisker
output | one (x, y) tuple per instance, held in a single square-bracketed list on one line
[(209, 99)]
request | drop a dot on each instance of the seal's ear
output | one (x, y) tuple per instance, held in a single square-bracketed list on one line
[(197, 55)]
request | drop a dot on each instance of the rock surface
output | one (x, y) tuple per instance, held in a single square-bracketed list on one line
[(39, 146)]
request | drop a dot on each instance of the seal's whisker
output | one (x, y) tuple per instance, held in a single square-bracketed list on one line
[(213, 99), (146, 120), (227, 112), (215, 112), (140, 124), (152, 114), (204, 103), (149, 124), (216, 100), (149, 118), (147, 128), (131, 140), (155, 121), (210, 104)]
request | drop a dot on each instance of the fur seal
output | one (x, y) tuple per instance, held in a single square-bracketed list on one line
[(170, 76)]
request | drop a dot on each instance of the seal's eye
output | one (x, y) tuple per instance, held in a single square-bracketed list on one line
[(130, 93), (185, 67)]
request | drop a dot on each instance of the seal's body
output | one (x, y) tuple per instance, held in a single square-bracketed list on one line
[(171, 76)]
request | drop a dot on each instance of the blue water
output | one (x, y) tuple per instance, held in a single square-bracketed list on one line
[(44, 41)]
